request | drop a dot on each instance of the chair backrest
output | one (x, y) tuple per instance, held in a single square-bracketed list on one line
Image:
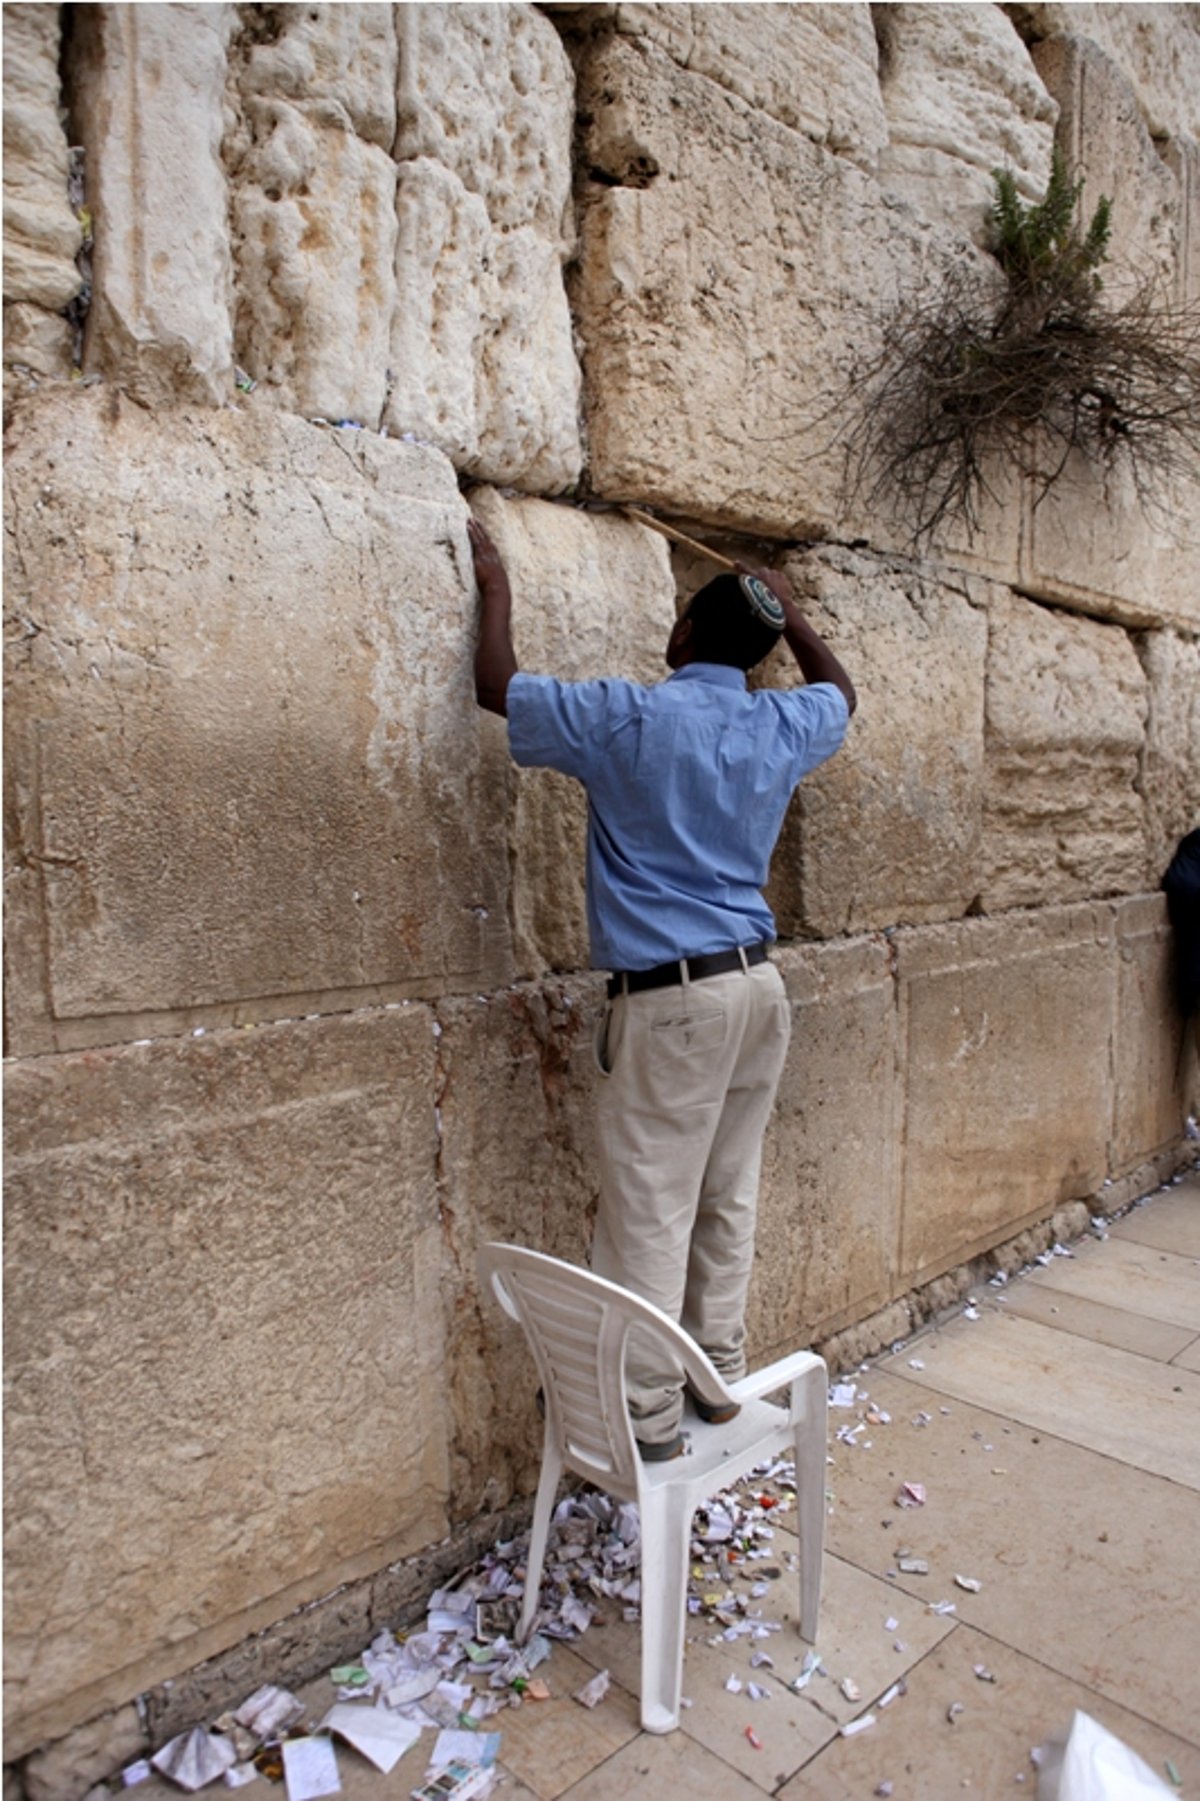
[(578, 1326)]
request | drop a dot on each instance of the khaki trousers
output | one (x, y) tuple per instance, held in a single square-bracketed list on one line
[(689, 1076)]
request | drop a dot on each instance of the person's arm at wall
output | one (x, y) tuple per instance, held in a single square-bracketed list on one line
[(495, 659), (817, 662)]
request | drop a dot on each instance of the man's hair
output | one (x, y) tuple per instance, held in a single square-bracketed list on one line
[(724, 630)]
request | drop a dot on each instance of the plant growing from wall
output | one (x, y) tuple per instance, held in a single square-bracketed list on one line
[(1022, 364)]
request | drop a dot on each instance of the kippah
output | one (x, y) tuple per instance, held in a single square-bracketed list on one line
[(762, 603)]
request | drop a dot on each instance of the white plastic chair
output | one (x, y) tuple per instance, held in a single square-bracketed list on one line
[(578, 1326)]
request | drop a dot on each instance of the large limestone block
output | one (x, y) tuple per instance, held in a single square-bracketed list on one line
[(315, 230), (962, 98), (889, 831), (1170, 773), (1105, 141), (812, 67), (482, 358), (487, 91), (225, 1351), (1007, 1029), (1149, 1110), (483, 363), (148, 85), (1094, 543), (338, 64), (592, 597), (41, 234), (244, 746), (515, 1076), (729, 268), (1157, 49), (828, 1222), (1066, 718), (313, 203)]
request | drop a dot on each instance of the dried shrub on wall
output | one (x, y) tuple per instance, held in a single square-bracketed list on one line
[(1021, 365)]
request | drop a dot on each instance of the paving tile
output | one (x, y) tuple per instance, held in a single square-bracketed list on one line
[(1083, 1561), (1189, 1358), (1140, 1412), (1169, 1221), (853, 1641), (790, 1726), (552, 1744), (1127, 1276), (1094, 1320), (669, 1766), (914, 1746)]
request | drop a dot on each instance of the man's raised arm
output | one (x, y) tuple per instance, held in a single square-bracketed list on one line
[(495, 660)]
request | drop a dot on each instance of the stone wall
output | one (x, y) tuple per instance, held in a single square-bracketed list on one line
[(298, 1009)]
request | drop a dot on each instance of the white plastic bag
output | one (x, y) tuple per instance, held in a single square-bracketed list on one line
[(1088, 1764)]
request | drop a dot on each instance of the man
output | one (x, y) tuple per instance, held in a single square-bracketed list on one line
[(687, 783)]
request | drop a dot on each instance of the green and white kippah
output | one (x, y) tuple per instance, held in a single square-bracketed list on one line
[(762, 603)]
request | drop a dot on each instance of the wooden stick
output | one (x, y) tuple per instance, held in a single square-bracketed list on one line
[(669, 531)]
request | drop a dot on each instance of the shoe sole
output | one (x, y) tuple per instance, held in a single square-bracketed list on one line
[(663, 1453)]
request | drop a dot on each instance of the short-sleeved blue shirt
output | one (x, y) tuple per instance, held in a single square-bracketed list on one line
[(687, 783)]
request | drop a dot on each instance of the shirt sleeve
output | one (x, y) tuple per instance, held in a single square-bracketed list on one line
[(817, 717), (559, 725)]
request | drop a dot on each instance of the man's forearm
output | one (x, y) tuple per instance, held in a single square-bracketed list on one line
[(817, 662), (495, 659)]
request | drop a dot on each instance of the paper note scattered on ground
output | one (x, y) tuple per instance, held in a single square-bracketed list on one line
[(310, 1769), (382, 1737)]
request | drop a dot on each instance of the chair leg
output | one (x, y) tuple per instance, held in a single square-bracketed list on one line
[(539, 1531), (666, 1529), (811, 1436)]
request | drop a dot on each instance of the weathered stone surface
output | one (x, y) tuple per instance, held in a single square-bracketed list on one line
[(1066, 713), (1007, 1031), (37, 340), (1104, 140), (1149, 1108), (727, 264), (515, 1075), (962, 98), (85, 1756), (1170, 773), (243, 741), (314, 216), (337, 63), (148, 84), (313, 202), (481, 349), (1182, 157), (41, 234), (888, 832), (1092, 544), (1157, 48), (828, 1225), (224, 1441), (592, 597), (812, 67)]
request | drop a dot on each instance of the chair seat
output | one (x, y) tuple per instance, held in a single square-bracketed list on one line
[(718, 1455)]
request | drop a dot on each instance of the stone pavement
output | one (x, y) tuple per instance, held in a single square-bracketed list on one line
[(1057, 1437)]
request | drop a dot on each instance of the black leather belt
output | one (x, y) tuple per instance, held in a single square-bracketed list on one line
[(667, 975)]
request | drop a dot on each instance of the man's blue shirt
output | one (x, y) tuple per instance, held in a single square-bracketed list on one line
[(687, 782)]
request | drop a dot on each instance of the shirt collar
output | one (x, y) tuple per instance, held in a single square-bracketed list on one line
[(720, 675)]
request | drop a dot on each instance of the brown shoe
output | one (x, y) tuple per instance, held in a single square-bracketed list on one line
[(720, 1415)]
